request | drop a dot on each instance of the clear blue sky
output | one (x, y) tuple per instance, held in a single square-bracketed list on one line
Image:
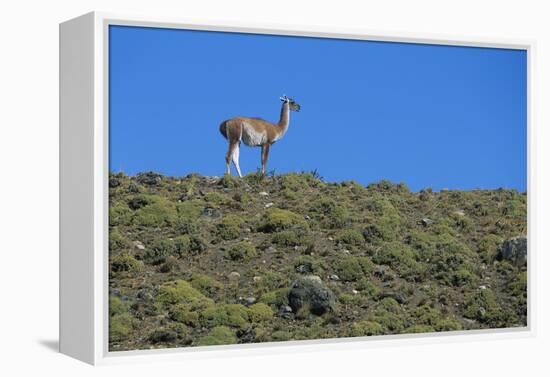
[(427, 115)]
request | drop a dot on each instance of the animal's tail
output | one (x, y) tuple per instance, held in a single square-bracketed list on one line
[(223, 129)]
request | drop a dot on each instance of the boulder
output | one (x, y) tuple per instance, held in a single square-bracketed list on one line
[(311, 292), (514, 250), (149, 178)]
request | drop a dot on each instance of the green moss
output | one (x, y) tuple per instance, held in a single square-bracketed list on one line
[(260, 312), (276, 220), (241, 251), (125, 263), (181, 292), (366, 328), (217, 336), (233, 315)]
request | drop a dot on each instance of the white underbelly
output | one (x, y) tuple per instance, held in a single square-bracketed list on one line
[(252, 137)]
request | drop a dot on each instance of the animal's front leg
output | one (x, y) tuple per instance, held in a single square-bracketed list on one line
[(236, 159), (265, 155)]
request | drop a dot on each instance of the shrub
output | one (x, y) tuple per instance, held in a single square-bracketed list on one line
[(366, 328), (138, 202), (159, 250), (230, 227), (416, 329), (233, 315), (120, 214), (426, 315), (217, 336), (259, 312), (163, 336), (276, 220), (291, 238), (125, 263), (275, 298), (120, 327), (308, 264), (205, 284), (117, 241), (217, 198), (447, 324), (351, 237), (229, 181), (181, 292), (159, 212), (243, 250), (184, 313), (329, 214), (367, 287), (116, 306), (353, 268), (463, 277), (483, 306), (401, 258)]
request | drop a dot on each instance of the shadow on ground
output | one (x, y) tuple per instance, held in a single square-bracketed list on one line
[(52, 345)]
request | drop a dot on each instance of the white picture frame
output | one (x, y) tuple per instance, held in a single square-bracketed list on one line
[(84, 190)]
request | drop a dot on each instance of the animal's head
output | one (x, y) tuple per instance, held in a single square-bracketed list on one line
[(294, 106)]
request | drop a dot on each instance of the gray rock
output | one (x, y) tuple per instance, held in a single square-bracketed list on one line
[(426, 221), (309, 290), (234, 275), (138, 245), (149, 178), (213, 213), (334, 277), (515, 250)]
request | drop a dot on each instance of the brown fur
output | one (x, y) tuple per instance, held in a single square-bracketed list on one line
[(233, 129)]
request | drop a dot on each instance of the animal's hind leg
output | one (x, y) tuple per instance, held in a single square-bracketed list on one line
[(230, 151), (236, 159)]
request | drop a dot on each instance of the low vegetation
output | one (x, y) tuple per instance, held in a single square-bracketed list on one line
[(197, 261)]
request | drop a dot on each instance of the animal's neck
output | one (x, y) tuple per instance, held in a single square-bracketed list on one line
[(285, 118)]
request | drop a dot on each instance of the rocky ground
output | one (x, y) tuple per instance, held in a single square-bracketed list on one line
[(207, 260)]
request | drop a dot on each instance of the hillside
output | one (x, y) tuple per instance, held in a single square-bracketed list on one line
[(207, 260)]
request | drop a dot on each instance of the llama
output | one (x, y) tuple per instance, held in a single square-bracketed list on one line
[(255, 132)]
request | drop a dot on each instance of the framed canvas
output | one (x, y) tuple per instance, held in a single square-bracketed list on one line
[(262, 188)]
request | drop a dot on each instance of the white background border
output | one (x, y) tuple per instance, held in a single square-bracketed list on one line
[(104, 20), (29, 155)]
